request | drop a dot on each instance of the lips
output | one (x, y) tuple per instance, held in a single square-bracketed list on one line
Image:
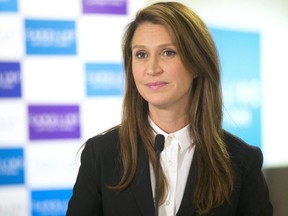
[(156, 85)]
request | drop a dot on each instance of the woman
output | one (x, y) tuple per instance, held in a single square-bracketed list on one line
[(172, 88)]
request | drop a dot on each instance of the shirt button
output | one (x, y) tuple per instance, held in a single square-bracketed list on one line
[(167, 203), (170, 162)]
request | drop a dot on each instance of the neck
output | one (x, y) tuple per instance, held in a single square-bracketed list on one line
[(169, 121)]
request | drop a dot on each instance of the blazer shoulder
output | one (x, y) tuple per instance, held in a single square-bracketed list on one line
[(241, 152), (250, 185), (105, 142), (105, 138)]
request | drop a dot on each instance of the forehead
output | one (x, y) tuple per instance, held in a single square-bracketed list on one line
[(149, 32)]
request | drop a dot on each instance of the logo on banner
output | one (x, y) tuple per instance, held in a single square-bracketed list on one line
[(105, 6), (241, 83), (11, 166), (10, 79), (54, 122), (52, 202), (104, 79), (9, 5), (50, 37)]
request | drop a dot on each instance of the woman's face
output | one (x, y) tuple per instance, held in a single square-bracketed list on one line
[(159, 74)]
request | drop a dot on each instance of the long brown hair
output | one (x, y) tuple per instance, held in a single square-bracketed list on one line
[(196, 48)]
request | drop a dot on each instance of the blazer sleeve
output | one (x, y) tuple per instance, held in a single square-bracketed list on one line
[(86, 197), (254, 195)]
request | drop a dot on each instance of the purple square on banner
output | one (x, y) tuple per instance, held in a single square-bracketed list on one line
[(53, 122), (105, 6)]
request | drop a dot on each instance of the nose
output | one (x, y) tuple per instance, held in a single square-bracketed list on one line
[(153, 66)]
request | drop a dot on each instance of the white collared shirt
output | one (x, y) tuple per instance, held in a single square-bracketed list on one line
[(176, 159)]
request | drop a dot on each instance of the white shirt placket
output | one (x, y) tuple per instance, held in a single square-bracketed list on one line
[(170, 161)]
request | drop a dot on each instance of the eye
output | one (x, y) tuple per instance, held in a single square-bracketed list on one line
[(141, 54), (169, 53)]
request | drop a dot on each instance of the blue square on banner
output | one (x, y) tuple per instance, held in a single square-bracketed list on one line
[(103, 79), (10, 80), (8, 5), (50, 202), (11, 166), (50, 37), (239, 54)]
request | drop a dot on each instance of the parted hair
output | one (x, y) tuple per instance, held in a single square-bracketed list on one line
[(196, 48)]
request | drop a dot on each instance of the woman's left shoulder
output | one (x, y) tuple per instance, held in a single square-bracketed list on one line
[(250, 191), (241, 152)]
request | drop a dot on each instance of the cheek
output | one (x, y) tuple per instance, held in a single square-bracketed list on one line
[(184, 79), (136, 73)]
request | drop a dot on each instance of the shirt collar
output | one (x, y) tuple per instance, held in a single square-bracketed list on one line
[(183, 135)]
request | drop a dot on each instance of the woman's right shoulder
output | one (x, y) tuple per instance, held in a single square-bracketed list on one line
[(100, 151), (105, 141)]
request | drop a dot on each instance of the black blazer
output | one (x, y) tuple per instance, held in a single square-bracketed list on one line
[(101, 166)]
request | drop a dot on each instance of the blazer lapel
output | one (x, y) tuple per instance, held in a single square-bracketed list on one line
[(186, 206), (142, 190), (141, 185)]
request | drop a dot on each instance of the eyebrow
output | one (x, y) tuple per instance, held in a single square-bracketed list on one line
[(160, 46)]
